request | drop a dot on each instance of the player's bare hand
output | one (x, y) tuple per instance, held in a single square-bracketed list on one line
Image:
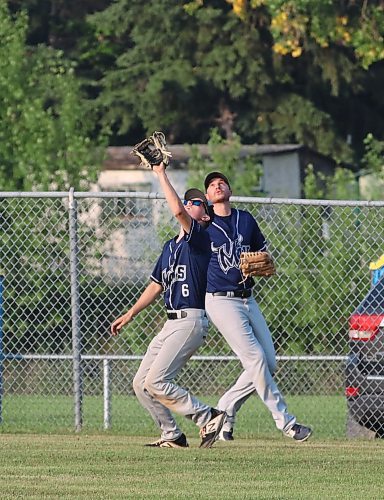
[(159, 169), (120, 322)]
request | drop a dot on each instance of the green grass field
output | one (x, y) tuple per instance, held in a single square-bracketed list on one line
[(41, 456), (55, 415), (110, 466)]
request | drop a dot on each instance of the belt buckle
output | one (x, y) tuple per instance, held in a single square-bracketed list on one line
[(177, 314)]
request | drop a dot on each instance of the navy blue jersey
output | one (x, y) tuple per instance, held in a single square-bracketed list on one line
[(182, 269), (231, 235)]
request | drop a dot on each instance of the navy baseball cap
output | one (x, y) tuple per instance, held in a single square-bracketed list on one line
[(192, 193), (215, 175)]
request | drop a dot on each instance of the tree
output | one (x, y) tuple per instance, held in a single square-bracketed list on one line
[(339, 44), (207, 67), (47, 128), (297, 25), (152, 84), (48, 141), (324, 254), (373, 167), (276, 71)]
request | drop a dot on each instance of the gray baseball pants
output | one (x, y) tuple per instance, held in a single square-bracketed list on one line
[(166, 355), (245, 330)]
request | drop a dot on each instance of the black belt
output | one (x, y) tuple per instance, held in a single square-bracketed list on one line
[(243, 294), (177, 315)]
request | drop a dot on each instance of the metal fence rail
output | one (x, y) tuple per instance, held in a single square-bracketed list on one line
[(72, 262)]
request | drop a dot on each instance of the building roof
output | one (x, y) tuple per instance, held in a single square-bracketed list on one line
[(120, 157)]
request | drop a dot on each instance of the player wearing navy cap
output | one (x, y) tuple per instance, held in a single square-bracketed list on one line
[(181, 274), (235, 313)]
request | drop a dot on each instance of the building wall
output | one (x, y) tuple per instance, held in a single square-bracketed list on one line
[(281, 177), (134, 220), (123, 180), (372, 186)]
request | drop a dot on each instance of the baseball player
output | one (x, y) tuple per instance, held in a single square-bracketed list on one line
[(181, 274), (232, 309)]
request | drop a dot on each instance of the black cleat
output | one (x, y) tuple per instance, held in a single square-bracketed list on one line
[(180, 442), (210, 432), (226, 435)]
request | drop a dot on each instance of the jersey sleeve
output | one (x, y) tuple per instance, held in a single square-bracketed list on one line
[(198, 237), (258, 241), (156, 275)]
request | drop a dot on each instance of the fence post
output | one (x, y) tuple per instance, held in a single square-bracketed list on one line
[(1, 348), (107, 393), (75, 310)]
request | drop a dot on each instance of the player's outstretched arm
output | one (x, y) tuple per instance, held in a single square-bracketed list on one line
[(149, 295), (174, 202)]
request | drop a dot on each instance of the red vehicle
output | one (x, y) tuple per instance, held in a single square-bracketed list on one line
[(365, 366)]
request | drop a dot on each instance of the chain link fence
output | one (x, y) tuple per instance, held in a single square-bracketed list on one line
[(73, 262)]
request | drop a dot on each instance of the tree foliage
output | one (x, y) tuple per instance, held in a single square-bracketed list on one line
[(297, 25), (374, 155), (45, 124), (237, 66), (322, 254), (276, 71)]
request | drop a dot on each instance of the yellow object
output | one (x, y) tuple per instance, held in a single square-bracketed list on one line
[(373, 266)]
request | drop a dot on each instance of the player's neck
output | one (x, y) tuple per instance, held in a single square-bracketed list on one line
[(181, 235), (222, 209)]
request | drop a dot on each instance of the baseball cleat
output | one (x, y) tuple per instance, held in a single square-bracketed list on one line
[(299, 432), (180, 442), (226, 435), (210, 432)]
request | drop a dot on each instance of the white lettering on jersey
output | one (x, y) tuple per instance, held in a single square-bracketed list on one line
[(228, 254), (172, 274), (181, 273)]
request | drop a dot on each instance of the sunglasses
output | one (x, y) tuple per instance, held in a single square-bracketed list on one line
[(197, 203)]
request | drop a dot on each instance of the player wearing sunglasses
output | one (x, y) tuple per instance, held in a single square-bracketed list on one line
[(196, 203), (180, 274)]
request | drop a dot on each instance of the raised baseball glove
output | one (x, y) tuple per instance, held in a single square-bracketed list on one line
[(256, 264), (152, 151)]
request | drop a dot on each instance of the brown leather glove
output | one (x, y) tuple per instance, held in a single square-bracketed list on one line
[(257, 264)]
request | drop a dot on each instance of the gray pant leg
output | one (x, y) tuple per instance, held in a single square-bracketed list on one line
[(238, 394), (232, 400), (160, 414), (262, 333), (166, 356), (235, 319)]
